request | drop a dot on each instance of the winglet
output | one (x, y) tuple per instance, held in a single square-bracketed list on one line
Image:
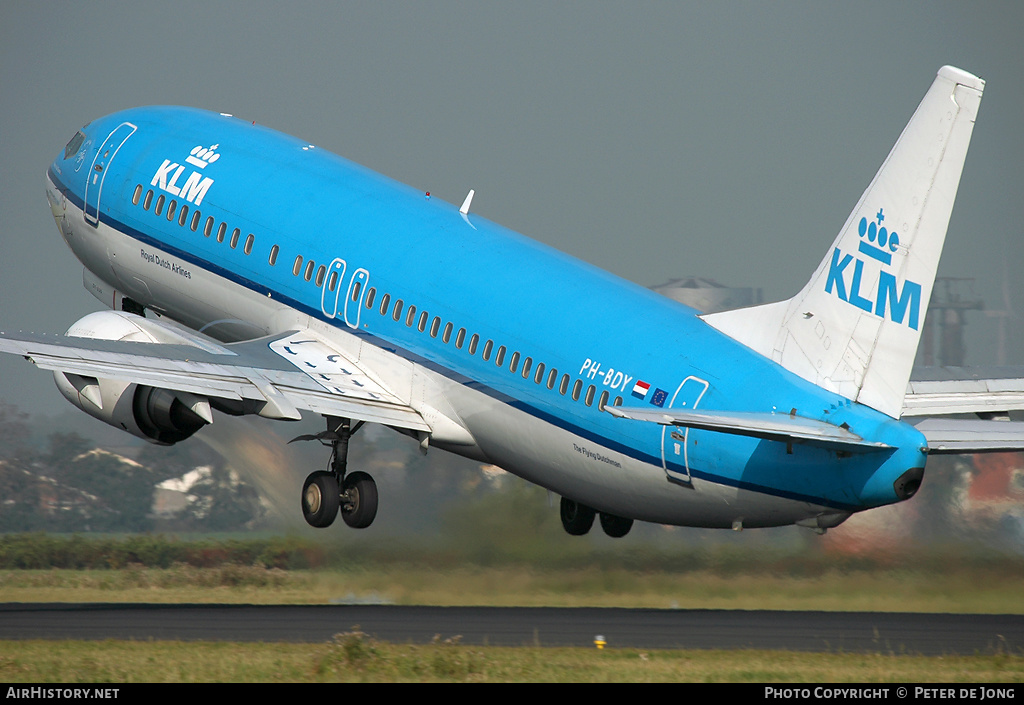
[(855, 327)]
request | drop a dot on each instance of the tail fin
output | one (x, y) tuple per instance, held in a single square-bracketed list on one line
[(855, 326)]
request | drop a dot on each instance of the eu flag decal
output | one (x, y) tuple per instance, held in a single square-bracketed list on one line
[(658, 398)]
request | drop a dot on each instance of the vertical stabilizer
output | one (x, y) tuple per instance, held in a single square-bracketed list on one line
[(855, 326)]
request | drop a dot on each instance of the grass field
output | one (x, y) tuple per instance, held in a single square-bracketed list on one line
[(966, 591), (964, 583), (353, 657)]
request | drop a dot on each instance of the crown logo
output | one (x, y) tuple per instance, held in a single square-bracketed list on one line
[(201, 156), (879, 239)]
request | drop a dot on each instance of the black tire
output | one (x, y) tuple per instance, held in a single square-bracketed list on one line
[(614, 526), (576, 518), (320, 499), (359, 500)]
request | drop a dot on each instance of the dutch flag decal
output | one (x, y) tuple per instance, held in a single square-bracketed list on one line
[(640, 389)]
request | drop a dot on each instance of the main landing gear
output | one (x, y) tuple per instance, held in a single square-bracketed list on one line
[(326, 493), (578, 518)]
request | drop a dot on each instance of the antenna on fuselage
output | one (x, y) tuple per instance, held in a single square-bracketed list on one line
[(465, 204)]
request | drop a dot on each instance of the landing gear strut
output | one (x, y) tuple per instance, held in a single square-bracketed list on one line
[(326, 492)]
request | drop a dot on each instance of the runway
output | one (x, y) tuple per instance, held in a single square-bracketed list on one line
[(877, 632)]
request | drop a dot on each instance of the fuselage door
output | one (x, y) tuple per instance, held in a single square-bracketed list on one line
[(332, 288), (354, 299), (100, 166), (675, 441)]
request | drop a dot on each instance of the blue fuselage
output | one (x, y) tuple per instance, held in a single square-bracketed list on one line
[(190, 212)]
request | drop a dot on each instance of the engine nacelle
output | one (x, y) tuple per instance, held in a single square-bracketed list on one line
[(157, 415)]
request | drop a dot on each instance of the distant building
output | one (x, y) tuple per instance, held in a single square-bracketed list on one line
[(707, 295)]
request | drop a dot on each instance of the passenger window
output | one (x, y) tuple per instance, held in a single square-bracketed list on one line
[(552, 376), (447, 335), (370, 293), (159, 204), (355, 291), (398, 310), (602, 401), (563, 386), (423, 322), (472, 343), (538, 377), (148, 201), (170, 209), (137, 195), (589, 399), (183, 215), (499, 359), (576, 389), (617, 402), (297, 267), (222, 230), (435, 325), (410, 315), (514, 362), (310, 264), (248, 244), (273, 255), (332, 281), (385, 301), (527, 364), (487, 350), (208, 228), (234, 238), (320, 274), (196, 217)]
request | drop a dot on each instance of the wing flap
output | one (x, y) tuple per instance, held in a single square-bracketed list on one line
[(775, 427)]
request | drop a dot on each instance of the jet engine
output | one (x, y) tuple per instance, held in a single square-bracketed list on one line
[(160, 416)]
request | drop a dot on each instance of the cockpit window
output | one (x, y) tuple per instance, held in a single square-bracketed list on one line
[(74, 145)]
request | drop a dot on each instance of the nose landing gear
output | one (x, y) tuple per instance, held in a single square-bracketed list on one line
[(328, 492)]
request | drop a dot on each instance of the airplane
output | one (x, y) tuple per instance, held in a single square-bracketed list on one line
[(248, 272)]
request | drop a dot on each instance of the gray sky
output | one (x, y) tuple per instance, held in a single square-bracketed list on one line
[(724, 139)]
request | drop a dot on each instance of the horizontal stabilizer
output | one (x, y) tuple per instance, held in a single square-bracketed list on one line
[(774, 427), (965, 391), (954, 436)]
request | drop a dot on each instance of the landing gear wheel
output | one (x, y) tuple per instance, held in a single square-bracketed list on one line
[(576, 518), (359, 500), (320, 499), (614, 526)]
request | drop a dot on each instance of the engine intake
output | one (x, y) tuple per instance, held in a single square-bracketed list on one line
[(161, 416)]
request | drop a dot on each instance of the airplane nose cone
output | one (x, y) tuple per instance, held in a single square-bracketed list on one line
[(57, 205)]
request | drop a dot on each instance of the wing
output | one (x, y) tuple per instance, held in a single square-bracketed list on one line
[(280, 374)]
